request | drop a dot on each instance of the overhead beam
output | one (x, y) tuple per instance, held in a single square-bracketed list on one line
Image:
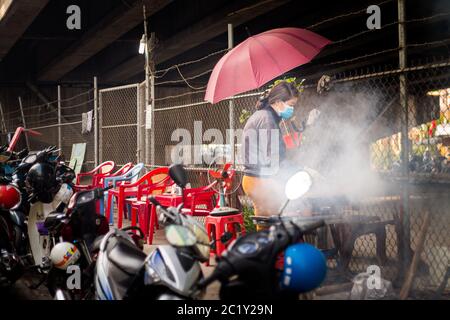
[(111, 28), (37, 92), (15, 17), (202, 31)]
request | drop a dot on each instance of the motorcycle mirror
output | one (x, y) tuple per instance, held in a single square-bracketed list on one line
[(178, 174), (298, 185), (180, 236)]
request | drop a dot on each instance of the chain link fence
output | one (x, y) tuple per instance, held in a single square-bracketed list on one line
[(391, 181), (118, 123), (357, 140), (60, 123)]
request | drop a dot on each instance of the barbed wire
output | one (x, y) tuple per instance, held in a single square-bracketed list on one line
[(77, 105), (180, 95), (40, 105), (42, 114), (184, 78), (394, 23), (73, 115), (444, 42), (345, 15), (11, 112), (164, 71), (188, 84), (76, 96), (363, 32), (428, 18), (360, 57), (33, 123)]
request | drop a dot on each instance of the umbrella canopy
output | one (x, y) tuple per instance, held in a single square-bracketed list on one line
[(260, 59)]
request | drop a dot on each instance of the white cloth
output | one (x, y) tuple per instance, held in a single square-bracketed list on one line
[(86, 122)]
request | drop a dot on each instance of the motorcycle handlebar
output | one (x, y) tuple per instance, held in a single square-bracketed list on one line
[(311, 226), (223, 269), (154, 201)]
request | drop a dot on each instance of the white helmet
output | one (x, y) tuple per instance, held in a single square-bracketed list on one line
[(64, 254)]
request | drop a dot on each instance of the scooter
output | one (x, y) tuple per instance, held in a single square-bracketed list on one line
[(30, 213), (75, 235), (15, 243), (254, 257)]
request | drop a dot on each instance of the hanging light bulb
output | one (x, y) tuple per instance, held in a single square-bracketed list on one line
[(142, 45)]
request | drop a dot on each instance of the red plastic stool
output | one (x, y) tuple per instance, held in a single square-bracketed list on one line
[(138, 209), (144, 214), (220, 221)]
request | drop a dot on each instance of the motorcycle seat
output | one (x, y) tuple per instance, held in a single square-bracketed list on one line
[(125, 255), (224, 211), (53, 220)]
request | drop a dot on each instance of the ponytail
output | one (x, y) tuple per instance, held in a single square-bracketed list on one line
[(263, 100)]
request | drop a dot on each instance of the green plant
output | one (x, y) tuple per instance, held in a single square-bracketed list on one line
[(300, 85), (245, 114), (248, 213)]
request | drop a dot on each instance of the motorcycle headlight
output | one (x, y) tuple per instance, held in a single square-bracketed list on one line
[(298, 185)]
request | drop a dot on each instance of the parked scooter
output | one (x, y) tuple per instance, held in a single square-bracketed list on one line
[(254, 257), (75, 235), (44, 185)]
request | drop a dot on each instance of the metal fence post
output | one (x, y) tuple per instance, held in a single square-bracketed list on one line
[(24, 123), (138, 125), (149, 100), (4, 129), (59, 120), (95, 122), (152, 120), (99, 128), (405, 126)]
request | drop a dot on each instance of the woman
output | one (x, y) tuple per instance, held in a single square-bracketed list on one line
[(264, 150)]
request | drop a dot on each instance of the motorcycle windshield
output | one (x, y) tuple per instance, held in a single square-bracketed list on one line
[(202, 246)]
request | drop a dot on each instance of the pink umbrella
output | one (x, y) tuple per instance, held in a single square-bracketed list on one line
[(260, 59)]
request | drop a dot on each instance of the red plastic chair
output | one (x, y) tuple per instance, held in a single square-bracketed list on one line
[(124, 169), (96, 174), (147, 184), (121, 171), (196, 197)]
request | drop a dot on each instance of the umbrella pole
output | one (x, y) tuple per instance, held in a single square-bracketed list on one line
[(231, 101)]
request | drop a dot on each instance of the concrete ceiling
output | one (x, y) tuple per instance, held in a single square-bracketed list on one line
[(15, 17)]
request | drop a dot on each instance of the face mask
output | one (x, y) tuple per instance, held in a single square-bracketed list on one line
[(288, 112)]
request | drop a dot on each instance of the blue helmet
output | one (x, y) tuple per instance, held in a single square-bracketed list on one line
[(304, 268)]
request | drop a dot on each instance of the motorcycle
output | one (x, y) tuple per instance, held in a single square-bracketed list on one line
[(254, 256), (28, 243), (48, 185), (75, 235)]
